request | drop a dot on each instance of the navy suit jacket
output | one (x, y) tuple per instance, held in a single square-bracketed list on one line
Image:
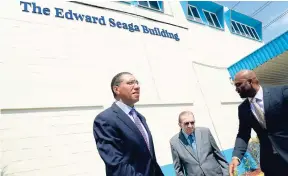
[(121, 145), (276, 134)]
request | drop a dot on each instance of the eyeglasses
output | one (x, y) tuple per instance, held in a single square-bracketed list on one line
[(132, 82), (187, 123)]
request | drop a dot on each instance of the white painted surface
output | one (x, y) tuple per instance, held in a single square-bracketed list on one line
[(56, 73)]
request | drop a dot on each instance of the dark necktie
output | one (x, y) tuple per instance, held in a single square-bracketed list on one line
[(193, 143)]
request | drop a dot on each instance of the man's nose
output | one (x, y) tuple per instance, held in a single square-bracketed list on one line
[(136, 86)]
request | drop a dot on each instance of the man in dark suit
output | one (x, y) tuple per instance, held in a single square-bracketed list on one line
[(194, 150), (266, 111), (122, 135)]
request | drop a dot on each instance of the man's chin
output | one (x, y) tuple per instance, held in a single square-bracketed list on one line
[(242, 96), (136, 100)]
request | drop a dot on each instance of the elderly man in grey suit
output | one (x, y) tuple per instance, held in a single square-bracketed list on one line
[(195, 151)]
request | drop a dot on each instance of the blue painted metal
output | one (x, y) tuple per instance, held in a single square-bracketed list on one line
[(269, 51), (184, 5), (205, 5), (244, 19), (227, 18)]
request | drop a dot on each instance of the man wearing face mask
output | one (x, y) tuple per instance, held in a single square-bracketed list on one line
[(266, 111), (194, 150)]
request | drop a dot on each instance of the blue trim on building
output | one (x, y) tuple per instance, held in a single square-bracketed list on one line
[(267, 52), (244, 19), (227, 18), (204, 5), (168, 169)]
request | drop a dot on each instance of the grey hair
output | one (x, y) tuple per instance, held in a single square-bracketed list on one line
[(184, 113)]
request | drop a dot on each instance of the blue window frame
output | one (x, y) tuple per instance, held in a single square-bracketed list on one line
[(193, 14), (154, 5), (212, 19), (244, 30)]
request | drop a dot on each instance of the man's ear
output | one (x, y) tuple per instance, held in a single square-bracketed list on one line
[(116, 90)]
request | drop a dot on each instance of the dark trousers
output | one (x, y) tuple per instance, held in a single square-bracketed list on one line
[(277, 167)]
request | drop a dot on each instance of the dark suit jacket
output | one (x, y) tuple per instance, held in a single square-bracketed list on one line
[(121, 145), (276, 134)]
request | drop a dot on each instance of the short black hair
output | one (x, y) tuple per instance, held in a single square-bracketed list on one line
[(117, 80)]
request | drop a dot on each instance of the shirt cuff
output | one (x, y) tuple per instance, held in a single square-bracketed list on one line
[(235, 157)]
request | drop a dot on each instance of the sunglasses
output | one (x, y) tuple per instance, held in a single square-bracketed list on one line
[(187, 123)]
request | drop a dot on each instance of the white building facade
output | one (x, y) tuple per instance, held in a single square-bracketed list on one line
[(58, 58)]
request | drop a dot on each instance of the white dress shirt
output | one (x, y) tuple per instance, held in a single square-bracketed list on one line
[(127, 110)]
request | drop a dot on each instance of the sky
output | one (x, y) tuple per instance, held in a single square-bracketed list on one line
[(269, 13)]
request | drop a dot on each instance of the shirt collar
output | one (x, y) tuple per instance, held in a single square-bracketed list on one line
[(124, 107), (186, 135), (258, 96)]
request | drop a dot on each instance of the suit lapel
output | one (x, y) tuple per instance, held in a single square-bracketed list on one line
[(266, 99), (125, 118), (250, 115), (148, 131), (198, 137), (186, 145), (247, 106)]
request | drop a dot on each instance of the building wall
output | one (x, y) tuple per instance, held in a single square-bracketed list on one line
[(55, 77)]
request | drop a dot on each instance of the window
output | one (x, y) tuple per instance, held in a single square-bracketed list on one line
[(255, 34), (154, 5), (240, 28), (193, 14), (244, 30), (212, 19), (235, 28)]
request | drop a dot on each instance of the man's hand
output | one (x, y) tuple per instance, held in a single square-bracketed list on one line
[(233, 166)]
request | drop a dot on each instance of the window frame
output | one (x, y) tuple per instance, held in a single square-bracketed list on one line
[(254, 32), (237, 31), (212, 19), (192, 17), (150, 8), (249, 30)]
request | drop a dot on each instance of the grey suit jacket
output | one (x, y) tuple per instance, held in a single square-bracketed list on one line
[(210, 161)]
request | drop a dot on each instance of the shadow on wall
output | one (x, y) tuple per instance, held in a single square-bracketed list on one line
[(249, 164)]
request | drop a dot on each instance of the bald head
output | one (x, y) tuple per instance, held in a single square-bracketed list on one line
[(246, 83), (245, 74)]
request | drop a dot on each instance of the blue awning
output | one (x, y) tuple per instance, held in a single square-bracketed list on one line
[(267, 52)]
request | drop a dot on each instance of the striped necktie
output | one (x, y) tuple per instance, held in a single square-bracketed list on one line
[(259, 112), (261, 116), (138, 123)]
